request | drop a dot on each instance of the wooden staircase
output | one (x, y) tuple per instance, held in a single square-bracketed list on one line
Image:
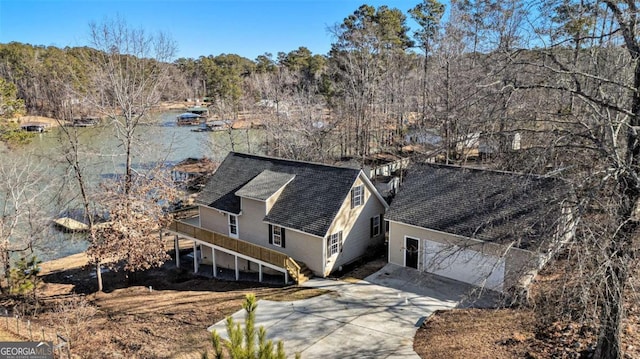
[(298, 271), (305, 273)]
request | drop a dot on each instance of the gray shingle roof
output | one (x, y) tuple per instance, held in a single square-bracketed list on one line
[(489, 205), (308, 203), (264, 185)]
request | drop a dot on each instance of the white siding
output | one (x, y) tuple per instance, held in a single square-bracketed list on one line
[(251, 226), (516, 262), (355, 226), (214, 220)]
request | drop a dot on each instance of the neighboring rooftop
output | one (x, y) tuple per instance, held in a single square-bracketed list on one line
[(489, 205), (309, 201)]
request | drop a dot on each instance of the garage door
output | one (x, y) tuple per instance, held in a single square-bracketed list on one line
[(464, 265)]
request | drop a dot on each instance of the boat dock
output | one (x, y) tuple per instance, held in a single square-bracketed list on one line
[(35, 127), (72, 225)]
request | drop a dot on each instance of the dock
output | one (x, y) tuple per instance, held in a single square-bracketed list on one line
[(35, 127), (72, 225)]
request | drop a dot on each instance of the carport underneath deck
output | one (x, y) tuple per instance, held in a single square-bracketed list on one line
[(226, 254)]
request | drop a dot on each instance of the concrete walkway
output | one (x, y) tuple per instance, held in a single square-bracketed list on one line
[(374, 318)]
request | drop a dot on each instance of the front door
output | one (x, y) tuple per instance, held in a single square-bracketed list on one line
[(411, 253)]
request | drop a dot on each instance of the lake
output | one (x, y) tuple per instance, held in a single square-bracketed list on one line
[(161, 140)]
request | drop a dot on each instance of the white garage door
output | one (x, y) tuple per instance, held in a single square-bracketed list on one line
[(464, 265)]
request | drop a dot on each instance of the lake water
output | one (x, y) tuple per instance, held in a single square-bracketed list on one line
[(162, 140)]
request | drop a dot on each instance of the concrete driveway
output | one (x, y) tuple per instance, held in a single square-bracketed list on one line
[(374, 318)]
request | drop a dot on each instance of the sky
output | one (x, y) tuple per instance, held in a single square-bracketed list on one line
[(199, 27)]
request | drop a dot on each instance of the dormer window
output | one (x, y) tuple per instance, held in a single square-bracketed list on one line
[(357, 196)]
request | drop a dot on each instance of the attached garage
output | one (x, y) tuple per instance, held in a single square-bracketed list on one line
[(486, 228)]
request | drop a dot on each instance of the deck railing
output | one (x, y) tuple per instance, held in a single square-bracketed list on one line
[(239, 246)]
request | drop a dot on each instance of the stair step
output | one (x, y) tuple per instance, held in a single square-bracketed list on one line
[(304, 274)]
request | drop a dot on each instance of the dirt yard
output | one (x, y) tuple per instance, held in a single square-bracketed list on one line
[(519, 333), (164, 313)]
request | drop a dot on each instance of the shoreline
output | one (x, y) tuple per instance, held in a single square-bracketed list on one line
[(72, 261), (81, 260)]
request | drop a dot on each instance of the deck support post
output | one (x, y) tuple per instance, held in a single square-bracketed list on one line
[(237, 270), (213, 261), (176, 246), (260, 272), (195, 257), (286, 276)]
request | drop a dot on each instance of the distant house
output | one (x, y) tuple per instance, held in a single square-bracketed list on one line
[(382, 168), (487, 228), (428, 136), (271, 215), (489, 144), (189, 119), (199, 110)]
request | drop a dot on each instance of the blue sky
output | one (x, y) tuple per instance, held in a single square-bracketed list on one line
[(200, 27)]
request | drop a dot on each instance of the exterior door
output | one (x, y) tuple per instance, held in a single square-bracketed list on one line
[(411, 253)]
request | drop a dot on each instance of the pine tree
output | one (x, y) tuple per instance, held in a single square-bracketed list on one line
[(242, 342)]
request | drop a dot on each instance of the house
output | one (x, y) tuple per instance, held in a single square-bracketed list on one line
[(271, 215), (487, 228), (382, 168), (201, 111), (189, 119)]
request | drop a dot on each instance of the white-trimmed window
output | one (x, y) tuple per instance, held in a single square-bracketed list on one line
[(375, 226), (357, 196), (334, 244), (233, 226), (276, 236)]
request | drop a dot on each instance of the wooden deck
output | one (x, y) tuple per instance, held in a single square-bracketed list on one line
[(263, 254)]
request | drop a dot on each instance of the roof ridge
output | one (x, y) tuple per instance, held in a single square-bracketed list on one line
[(491, 170), (286, 160)]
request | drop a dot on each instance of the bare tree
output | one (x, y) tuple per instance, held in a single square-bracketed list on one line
[(24, 190), (132, 70), (589, 126)]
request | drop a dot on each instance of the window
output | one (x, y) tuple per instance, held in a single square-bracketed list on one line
[(375, 226), (357, 196), (334, 244), (277, 236), (233, 226)]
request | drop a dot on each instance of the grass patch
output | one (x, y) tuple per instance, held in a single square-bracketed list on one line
[(294, 293)]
